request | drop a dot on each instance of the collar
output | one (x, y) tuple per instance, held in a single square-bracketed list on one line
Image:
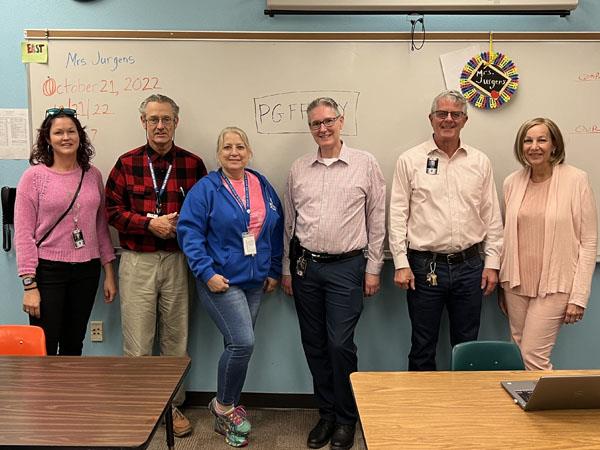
[(343, 156), (155, 156), (431, 147)]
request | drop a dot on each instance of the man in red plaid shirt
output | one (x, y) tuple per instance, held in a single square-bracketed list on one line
[(144, 193)]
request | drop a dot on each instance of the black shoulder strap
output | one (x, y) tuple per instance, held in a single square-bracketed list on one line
[(8, 214), (38, 243)]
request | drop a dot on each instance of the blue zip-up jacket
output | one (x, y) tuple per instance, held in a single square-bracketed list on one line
[(209, 232)]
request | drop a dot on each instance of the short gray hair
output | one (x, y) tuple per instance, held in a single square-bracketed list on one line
[(159, 98), (324, 101), (455, 96)]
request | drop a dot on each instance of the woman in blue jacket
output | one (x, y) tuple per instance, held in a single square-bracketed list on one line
[(231, 230)]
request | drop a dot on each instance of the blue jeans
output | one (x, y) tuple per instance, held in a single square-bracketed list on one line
[(459, 290), (234, 312)]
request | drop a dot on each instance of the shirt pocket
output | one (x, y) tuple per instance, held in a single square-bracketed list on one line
[(425, 186), (142, 198)]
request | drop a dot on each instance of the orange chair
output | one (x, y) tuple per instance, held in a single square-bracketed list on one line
[(23, 340)]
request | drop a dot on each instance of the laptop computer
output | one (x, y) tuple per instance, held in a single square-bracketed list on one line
[(556, 392)]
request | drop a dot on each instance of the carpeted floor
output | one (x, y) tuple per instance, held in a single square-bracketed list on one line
[(271, 429)]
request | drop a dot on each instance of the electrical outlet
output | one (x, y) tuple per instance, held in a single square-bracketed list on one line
[(96, 331)]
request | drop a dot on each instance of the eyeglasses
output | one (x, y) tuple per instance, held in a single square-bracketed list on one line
[(443, 114), (155, 120), (329, 122), (51, 112)]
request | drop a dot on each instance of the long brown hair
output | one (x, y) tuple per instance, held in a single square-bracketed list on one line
[(42, 151)]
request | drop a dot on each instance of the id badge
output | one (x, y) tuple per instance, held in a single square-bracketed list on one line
[(432, 166), (78, 240), (249, 244), (152, 215)]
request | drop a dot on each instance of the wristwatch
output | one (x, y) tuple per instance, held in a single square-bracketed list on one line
[(28, 281)]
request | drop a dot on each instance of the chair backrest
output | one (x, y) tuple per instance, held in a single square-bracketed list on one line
[(22, 340), (487, 355)]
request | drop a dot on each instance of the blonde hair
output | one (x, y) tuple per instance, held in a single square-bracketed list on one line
[(241, 133), (558, 154)]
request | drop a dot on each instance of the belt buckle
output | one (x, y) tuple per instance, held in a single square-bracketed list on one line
[(315, 257), (450, 257)]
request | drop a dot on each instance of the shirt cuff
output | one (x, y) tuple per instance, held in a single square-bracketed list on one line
[(285, 266), (401, 261), (207, 275), (374, 268), (492, 262)]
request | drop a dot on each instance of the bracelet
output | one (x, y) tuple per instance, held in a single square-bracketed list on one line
[(30, 288)]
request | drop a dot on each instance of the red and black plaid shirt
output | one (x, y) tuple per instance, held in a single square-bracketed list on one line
[(130, 194)]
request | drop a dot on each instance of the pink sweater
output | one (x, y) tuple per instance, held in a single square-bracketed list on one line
[(42, 196), (570, 233)]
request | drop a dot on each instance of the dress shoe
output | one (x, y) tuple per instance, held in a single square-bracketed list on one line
[(342, 437), (319, 436)]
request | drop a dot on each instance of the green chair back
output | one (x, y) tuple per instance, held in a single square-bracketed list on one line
[(487, 355)]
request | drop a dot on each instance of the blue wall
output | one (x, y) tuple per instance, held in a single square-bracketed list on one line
[(278, 364)]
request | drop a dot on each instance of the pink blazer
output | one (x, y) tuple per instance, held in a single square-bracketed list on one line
[(570, 234)]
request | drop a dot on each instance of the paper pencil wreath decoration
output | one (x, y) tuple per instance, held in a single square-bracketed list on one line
[(489, 82)]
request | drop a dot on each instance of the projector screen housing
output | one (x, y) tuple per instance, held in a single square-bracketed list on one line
[(549, 7)]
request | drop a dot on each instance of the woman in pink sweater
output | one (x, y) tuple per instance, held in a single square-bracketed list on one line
[(550, 238), (61, 233)]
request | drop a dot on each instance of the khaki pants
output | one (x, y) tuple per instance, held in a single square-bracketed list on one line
[(154, 288), (534, 325)]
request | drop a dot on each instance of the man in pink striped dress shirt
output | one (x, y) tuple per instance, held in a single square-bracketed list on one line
[(335, 210)]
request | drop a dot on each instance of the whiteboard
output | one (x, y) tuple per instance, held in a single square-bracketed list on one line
[(264, 85)]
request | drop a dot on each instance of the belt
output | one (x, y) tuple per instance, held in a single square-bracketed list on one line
[(448, 258), (328, 257)]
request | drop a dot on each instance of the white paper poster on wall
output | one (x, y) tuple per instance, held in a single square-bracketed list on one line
[(14, 134), (453, 63)]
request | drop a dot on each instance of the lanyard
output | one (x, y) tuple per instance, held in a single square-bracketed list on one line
[(159, 192), (246, 208)]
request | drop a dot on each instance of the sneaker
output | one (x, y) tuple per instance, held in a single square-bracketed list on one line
[(235, 440), (234, 421), (181, 425)]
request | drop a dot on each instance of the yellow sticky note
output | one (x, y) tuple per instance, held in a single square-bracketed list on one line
[(34, 52)]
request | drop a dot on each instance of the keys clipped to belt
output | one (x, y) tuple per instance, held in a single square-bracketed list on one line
[(301, 266), (432, 276)]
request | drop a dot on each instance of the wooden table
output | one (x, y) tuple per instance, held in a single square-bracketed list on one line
[(85, 402), (464, 410)]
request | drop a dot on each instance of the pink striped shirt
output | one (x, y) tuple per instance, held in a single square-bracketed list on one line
[(340, 207)]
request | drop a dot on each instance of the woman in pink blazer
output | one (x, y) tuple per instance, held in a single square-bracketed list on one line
[(550, 239)]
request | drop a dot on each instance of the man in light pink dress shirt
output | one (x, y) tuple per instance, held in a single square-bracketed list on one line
[(444, 216), (335, 209)]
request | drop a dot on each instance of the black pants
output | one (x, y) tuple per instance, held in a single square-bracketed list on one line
[(67, 292), (329, 300), (459, 290)]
